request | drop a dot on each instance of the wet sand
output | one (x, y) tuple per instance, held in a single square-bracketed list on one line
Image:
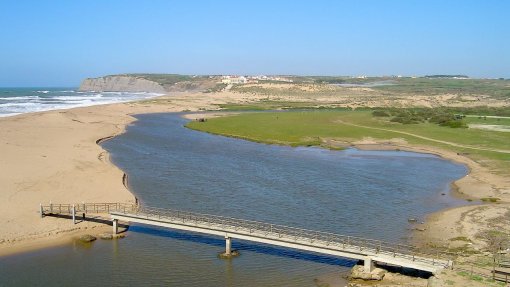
[(53, 157)]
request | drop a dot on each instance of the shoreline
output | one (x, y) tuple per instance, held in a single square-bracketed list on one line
[(440, 227), (52, 156), (118, 116)]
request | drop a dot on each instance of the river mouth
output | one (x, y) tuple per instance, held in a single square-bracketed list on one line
[(370, 194)]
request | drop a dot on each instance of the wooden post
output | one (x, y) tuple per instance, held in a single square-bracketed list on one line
[(74, 214)]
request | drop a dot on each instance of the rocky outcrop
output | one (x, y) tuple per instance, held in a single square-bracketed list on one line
[(87, 238), (233, 253), (358, 272), (121, 84)]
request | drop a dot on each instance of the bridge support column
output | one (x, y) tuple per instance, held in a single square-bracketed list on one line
[(368, 264), (228, 245), (115, 226), (74, 214)]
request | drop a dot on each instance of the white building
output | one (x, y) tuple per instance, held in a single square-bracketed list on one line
[(234, 80)]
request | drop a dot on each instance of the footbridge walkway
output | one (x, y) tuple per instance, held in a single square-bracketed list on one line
[(351, 247)]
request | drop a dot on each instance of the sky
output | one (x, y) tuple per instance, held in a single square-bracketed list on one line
[(59, 43)]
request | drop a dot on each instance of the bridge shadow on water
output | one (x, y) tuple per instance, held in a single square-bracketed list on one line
[(241, 245)]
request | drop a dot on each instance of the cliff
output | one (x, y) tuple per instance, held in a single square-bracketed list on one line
[(154, 83), (121, 83)]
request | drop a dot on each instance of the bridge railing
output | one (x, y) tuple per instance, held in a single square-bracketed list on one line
[(256, 228), (336, 241), (87, 208)]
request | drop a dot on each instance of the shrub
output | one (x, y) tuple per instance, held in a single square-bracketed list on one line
[(379, 113), (454, 124)]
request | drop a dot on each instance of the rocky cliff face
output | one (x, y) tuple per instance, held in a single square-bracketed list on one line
[(121, 84)]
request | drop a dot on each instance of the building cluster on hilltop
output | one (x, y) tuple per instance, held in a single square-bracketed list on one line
[(252, 79)]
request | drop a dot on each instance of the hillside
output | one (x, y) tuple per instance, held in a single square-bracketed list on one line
[(155, 83)]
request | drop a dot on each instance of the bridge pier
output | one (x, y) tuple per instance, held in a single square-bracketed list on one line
[(313, 241), (368, 264), (74, 214), (115, 226), (228, 245)]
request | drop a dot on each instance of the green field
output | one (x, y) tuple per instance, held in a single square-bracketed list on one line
[(315, 128)]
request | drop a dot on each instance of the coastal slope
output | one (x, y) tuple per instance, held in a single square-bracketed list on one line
[(121, 84), (150, 83)]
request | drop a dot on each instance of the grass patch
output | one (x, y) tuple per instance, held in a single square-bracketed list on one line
[(298, 128), (435, 86), (217, 88), (463, 251), (460, 238), (472, 277), (490, 199), (268, 105)]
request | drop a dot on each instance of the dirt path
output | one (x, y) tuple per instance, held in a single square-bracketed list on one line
[(426, 138)]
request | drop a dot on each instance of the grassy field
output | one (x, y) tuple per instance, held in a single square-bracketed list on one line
[(310, 128)]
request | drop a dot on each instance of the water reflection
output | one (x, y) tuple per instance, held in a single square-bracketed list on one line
[(360, 193)]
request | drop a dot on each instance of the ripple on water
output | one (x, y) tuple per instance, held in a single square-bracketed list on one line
[(348, 192)]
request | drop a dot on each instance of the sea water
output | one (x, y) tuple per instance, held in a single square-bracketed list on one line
[(14, 101)]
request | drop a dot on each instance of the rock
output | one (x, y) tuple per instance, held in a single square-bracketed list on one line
[(233, 253), (358, 272), (433, 281), (420, 229), (106, 236), (121, 83), (86, 238)]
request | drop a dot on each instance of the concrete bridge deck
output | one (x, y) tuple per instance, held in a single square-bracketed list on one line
[(350, 247)]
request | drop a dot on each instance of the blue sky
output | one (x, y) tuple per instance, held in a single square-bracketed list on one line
[(58, 43)]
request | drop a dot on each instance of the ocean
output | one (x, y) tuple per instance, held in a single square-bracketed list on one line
[(14, 101)]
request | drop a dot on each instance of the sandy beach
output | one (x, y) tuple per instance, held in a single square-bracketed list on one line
[(53, 156)]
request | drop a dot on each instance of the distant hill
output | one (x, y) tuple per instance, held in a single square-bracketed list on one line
[(156, 83), (447, 76)]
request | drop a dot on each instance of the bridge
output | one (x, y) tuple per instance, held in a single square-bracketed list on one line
[(367, 250)]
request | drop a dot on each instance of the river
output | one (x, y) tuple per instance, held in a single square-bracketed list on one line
[(363, 193)]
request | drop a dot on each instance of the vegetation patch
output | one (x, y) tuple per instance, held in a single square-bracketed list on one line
[(460, 238), (490, 199), (217, 88), (298, 127)]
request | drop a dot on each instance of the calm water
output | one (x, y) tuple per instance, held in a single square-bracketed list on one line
[(364, 193)]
